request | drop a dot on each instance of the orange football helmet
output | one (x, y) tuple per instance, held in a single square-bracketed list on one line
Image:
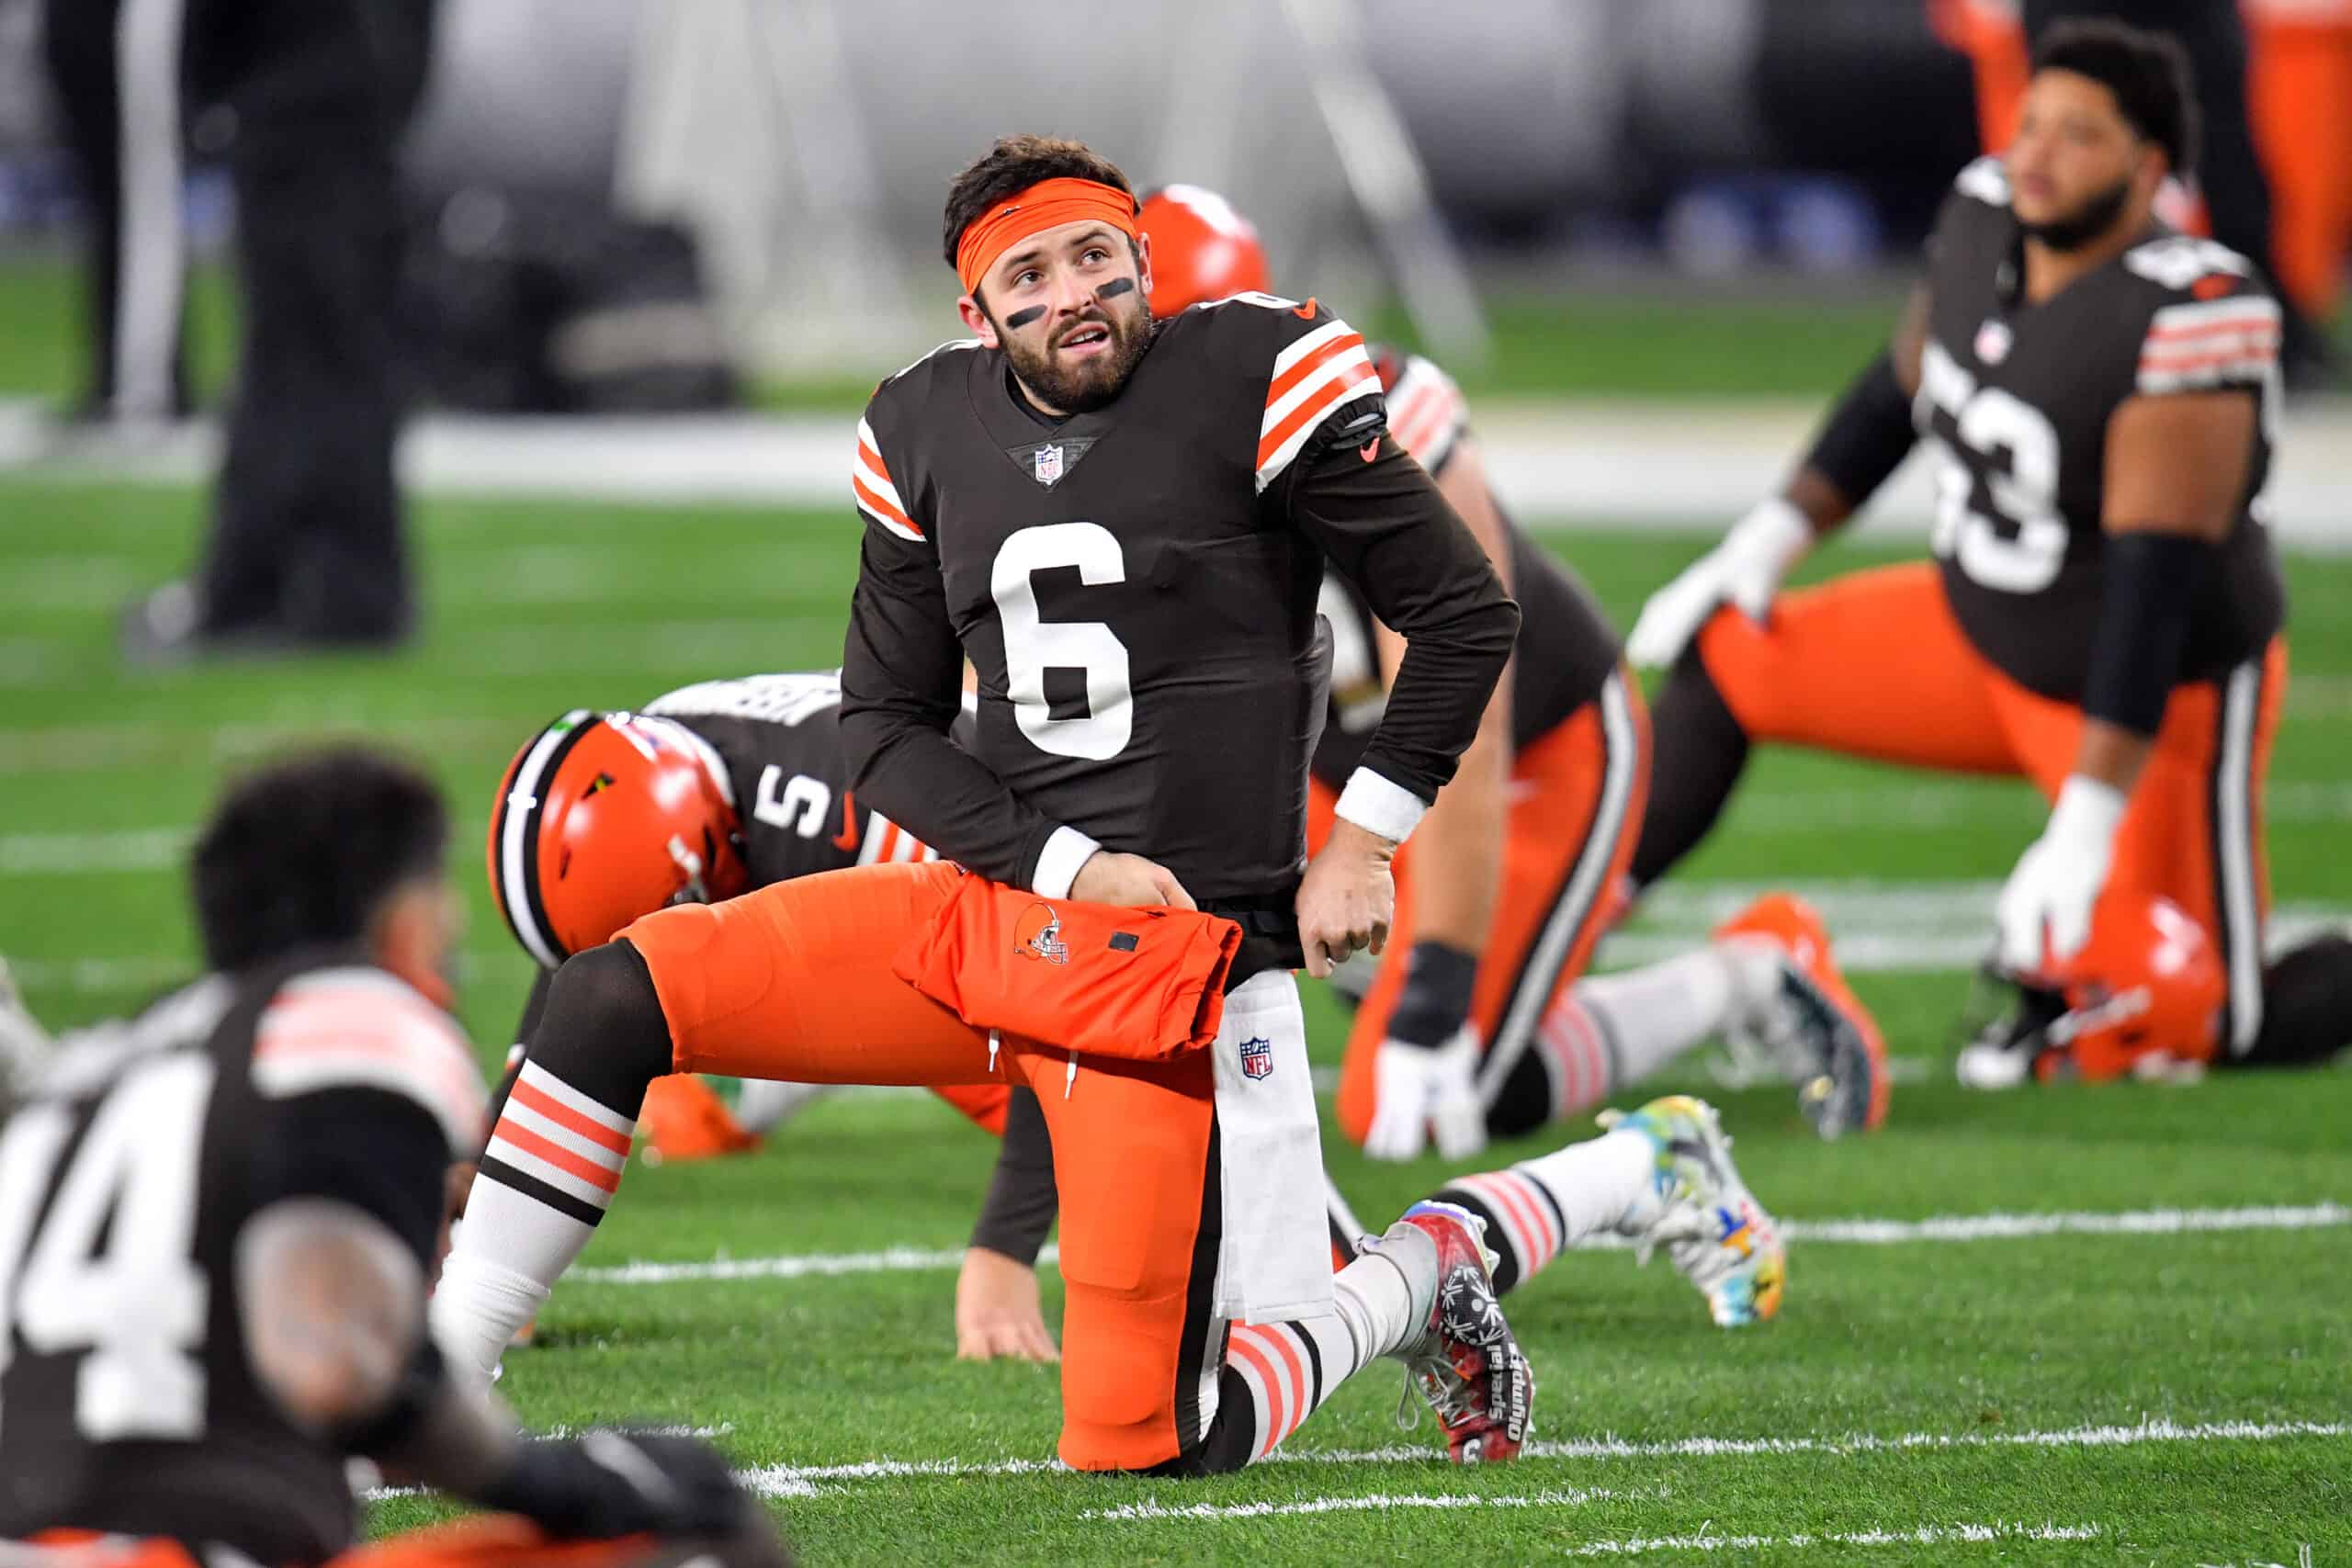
[(2145, 988), (606, 816), (1201, 249)]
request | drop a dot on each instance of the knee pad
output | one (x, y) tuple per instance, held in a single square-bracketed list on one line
[(603, 1031)]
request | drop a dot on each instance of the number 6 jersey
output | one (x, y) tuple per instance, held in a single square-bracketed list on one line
[(2018, 397), (1136, 587)]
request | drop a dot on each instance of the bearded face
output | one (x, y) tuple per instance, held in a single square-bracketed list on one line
[(1080, 363)]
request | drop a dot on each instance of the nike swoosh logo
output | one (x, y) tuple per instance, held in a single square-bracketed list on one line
[(1303, 312), (846, 840), (1370, 449)]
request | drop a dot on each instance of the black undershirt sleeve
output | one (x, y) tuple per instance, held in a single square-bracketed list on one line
[(1385, 524), (380, 1152), (1022, 1202), (902, 682)]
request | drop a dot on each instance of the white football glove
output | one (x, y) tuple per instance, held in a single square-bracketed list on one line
[(1745, 570), (2058, 878), (1420, 1090)]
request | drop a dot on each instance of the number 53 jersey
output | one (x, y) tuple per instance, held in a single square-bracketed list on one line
[(2016, 397), (1128, 582)]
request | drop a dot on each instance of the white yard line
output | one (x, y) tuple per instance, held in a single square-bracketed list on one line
[(1860, 1232), (78, 747), (1918, 1535), (1610, 1447), (1371, 1503)]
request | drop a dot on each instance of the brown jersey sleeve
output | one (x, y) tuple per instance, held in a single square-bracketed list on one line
[(1380, 518)]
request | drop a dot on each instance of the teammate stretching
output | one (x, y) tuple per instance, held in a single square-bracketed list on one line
[(2103, 613), (219, 1221), (1124, 531), (1480, 1019)]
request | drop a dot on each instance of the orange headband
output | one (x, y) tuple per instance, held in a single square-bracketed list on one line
[(1048, 203)]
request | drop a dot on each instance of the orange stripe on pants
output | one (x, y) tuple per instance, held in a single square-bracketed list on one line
[(1555, 794)]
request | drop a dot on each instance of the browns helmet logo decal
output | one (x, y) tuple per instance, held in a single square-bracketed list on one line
[(1038, 934)]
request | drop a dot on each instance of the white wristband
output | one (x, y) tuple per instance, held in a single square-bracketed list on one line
[(1058, 863), (2088, 810), (1378, 806)]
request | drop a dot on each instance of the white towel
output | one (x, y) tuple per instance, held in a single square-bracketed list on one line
[(1276, 1264)]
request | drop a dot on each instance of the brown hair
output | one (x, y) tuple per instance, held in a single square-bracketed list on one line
[(1015, 163)]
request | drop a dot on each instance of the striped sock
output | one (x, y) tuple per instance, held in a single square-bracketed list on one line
[(553, 1164), (1539, 1208), (1285, 1369), (1580, 1053)]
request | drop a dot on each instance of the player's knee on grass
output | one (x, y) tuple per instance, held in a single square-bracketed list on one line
[(603, 1031), (1231, 1438), (2306, 1006), (1697, 750)]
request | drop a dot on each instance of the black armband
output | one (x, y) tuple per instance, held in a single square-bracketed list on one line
[(1866, 435), (2149, 582), (1436, 1001), (387, 1432), (1022, 1201)]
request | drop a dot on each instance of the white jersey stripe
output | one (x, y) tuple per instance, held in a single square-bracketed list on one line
[(1350, 365), (1271, 469), (1293, 353)]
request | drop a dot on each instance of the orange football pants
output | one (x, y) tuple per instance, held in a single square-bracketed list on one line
[(1875, 665), (794, 981), (490, 1541), (1574, 814)]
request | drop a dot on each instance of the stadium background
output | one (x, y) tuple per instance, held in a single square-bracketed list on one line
[(1656, 236)]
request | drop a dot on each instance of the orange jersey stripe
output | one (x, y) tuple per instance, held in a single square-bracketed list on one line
[(556, 1155), (563, 1116), (1313, 409), (876, 505), (2181, 366), (1304, 367), (1297, 1379)]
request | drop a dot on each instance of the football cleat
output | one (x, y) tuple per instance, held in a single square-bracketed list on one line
[(1816, 1030), (1718, 1235), (1467, 1365), (684, 1119)]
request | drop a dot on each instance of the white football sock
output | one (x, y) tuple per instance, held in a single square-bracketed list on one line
[(1610, 1031), (762, 1106), (1382, 1302), (1539, 1208)]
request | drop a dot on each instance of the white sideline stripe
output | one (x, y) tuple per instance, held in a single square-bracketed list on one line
[(1920, 1535), (1681, 466), (64, 749), (1862, 1232), (1376, 1502), (2086, 1437)]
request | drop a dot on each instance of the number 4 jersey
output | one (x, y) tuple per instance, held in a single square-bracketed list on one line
[(2017, 397), (128, 1400)]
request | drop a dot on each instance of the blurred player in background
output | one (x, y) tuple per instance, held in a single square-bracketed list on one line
[(305, 549), (220, 1220), (1123, 530), (2103, 615), (1480, 1020), (2272, 77)]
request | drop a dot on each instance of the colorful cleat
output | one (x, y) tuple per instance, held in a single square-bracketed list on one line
[(684, 1119), (1821, 1034), (1717, 1234), (1467, 1366)]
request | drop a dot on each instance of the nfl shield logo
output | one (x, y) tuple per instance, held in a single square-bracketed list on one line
[(1993, 340), (1257, 1058), (1049, 465)]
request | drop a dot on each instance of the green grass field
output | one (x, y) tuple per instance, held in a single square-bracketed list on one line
[(2127, 1397)]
